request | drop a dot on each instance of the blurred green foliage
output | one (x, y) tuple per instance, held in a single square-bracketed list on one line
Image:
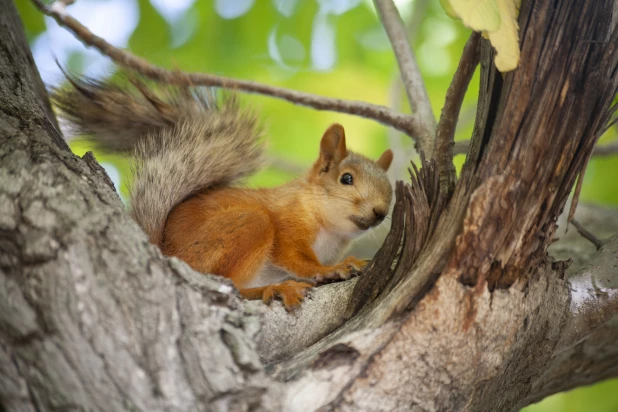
[(602, 397), (33, 20), (327, 47)]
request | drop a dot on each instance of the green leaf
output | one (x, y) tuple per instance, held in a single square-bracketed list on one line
[(446, 5), (151, 38), (33, 20)]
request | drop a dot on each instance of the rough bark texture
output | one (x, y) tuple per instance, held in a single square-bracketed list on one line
[(462, 309), (91, 315)]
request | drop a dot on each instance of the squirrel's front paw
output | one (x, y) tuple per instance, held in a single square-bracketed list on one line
[(291, 293), (357, 265), (350, 267)]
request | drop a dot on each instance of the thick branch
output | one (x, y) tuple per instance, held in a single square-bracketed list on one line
[(283, 334), (410, 73), (93, 317), (587, 351), (312, 323), (410, 125), (593, 282), (591, 361), (594, 294)]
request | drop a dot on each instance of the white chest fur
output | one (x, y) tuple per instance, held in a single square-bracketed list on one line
[(329, 246)]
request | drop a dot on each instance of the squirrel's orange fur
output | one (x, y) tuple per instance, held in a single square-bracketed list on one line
[(189, 153)]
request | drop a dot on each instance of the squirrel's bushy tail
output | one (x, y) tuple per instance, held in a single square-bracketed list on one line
[(183, 141)]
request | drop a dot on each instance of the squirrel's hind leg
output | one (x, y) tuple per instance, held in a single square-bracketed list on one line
[(233, 243)]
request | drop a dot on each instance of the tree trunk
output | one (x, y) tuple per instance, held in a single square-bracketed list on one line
[(462, 308)]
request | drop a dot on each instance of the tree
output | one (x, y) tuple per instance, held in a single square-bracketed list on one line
[(462, 307)]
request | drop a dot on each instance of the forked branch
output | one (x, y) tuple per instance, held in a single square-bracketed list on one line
[(409, 125)]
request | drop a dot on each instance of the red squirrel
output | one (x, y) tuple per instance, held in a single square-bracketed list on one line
[(190, 149)]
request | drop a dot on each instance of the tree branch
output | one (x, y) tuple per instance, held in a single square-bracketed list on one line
[(92, 316), (283, 334), (594, 294), (401, 154), (592, 360), (587, 351), (461, 147), (410, 73), (408, 124), (610, 149), (603, 150), (592, 276), (587, 234), (445, 132)]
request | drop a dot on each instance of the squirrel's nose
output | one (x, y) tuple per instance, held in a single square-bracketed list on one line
[(380, 214)]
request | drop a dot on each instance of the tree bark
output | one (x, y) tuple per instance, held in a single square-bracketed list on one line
[(462, 308), (92, 316)]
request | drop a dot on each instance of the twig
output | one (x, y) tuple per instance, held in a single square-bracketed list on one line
[(413, 23), (445, 132), (410, 74), (395, 143), (606, 150), (403, 155), (582, 173), (610, 149), (461, 147), (587, 235), (405, 123), (576, 192)]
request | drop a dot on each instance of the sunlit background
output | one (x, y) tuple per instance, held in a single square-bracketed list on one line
[(335, 48)]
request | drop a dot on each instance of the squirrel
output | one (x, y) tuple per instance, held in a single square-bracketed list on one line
[(190, 149)]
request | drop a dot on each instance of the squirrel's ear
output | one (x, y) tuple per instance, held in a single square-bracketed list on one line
[(332, 145), (385, 160)]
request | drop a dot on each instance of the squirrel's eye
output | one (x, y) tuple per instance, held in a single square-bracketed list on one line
[(347, 179)]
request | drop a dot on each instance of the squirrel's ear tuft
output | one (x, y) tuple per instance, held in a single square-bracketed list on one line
[(385, 160), (332, 146)]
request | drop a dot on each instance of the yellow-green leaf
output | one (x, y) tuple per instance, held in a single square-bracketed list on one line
[(479, 15), (497, 20), (446, 5), (506, 38)]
